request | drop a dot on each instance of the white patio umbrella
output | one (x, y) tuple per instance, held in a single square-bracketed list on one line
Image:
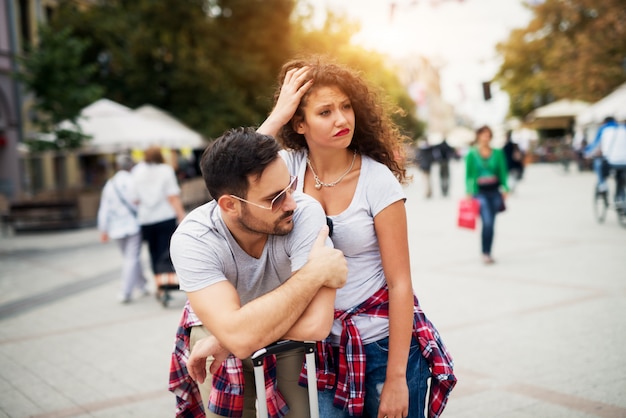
[(613, 104), (115, 127)]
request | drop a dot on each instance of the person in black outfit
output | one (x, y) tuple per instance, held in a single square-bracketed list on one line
[(514, 161), (442, 153), (424, 161)]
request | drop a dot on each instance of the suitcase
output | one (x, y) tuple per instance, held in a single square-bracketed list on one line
[(279, 347)]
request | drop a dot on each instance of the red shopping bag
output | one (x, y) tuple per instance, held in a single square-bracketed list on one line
[(468, 211)]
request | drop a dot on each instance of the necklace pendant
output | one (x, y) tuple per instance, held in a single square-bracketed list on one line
[(318, 185)]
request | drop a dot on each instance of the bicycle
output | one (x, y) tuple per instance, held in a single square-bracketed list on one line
[(601, 202)]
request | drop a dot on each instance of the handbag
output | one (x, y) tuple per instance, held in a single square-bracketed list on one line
[(502, 206), (468, 211)]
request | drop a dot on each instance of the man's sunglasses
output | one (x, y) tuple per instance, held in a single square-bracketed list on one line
[(278, 201)]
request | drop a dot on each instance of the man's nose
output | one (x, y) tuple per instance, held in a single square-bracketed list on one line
[(289, 203)]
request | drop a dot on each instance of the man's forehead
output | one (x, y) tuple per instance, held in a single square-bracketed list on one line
[(273, 177)]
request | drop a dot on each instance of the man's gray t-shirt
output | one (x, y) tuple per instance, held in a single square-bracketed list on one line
[(204, 252)]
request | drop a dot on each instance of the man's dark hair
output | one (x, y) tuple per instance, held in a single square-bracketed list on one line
[(237, 154)]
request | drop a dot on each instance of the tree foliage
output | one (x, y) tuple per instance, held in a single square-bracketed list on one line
[(61, 85), (573, 49), (211, 63)]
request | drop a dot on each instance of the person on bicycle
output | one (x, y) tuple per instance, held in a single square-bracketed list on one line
[(609, 152)]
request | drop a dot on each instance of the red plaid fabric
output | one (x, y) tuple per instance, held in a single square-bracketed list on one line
[(350, 376), (227, 391), (188, 399), (226, 396)]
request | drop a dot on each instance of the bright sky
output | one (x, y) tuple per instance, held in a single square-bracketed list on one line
[(457, 35)]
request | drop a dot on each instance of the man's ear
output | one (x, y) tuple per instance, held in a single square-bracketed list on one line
[(228, 204)]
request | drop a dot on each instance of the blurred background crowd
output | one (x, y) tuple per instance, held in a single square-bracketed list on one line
[(81, 81)]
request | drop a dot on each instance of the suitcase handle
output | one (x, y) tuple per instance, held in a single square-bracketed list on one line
[(280, 347)]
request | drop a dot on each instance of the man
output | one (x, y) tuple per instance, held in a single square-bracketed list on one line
[(442, 153), (609, 145), (514, 161), (255, 268)]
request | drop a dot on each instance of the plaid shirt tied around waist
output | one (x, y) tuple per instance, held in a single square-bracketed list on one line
[(188, 399), (350, 375), (227, 391), (226, 396)]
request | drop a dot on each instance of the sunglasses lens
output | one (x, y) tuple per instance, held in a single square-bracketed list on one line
[(280, 199)]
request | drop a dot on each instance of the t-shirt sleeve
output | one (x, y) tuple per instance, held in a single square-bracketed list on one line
[(197, 264), (383, 188)]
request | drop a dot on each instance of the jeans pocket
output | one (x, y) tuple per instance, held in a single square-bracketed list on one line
[(381, 345)]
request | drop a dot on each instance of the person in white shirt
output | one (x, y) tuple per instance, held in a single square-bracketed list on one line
[(610, 145), (117, 220), (160, 207)]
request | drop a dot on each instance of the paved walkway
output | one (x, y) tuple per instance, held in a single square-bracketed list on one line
[(539, 334)]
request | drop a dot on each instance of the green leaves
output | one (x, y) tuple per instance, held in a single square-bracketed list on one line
[(211, 63), (61, 83), (572, 49)]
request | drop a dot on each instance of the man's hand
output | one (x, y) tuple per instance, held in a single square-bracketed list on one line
[(203, 349), (327, 263)]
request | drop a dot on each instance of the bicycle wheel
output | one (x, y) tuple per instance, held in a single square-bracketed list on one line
[(621, 215), (600, 205), (620, 197), (620, 208)]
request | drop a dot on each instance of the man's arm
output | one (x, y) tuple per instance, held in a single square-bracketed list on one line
[(589, 149), (244, 329), (317, 320)]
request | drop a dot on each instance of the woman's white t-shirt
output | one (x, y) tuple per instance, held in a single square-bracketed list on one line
[(354, 234)]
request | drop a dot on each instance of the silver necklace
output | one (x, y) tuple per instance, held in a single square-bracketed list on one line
[(319, 183)]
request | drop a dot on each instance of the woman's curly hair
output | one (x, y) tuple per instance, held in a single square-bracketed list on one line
[(376, 135)]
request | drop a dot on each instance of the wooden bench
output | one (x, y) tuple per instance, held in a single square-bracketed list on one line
[(43, 215)]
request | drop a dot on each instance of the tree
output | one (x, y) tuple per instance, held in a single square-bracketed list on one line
[(61, 85), (211, 63), (574, 49), (333, 39)]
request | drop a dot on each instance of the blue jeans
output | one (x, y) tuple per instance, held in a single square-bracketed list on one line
[(490, 202), (376, 353), (620, 180), (597, 167)]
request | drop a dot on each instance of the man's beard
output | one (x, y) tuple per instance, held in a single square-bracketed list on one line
[(255, 225)]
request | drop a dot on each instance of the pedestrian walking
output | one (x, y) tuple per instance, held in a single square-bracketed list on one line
[(117, 220), (160, 207), (486, 180)]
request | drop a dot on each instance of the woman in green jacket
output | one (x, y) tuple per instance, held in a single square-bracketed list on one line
[(486, 180)]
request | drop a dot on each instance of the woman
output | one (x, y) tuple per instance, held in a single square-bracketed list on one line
[(117, 220), (344, 148), (160, 207), (486, 180)]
